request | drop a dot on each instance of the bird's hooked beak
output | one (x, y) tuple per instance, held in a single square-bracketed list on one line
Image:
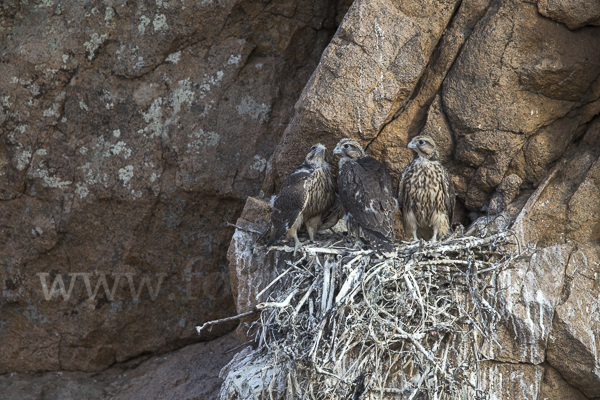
[(321, 149), (338, 150), (412, 145)]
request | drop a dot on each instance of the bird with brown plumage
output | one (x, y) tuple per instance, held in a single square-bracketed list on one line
[(367, 194), (306, 194), (426, 193)]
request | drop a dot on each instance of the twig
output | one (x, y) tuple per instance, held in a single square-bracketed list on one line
[(368, 320), (423, 375), (326, 288), (273, 282), (242, 315), (303, 300), (282, 304)]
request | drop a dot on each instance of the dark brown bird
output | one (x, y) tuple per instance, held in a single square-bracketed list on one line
[(331, 217), (426, 193), (306, 194), (367, 194)]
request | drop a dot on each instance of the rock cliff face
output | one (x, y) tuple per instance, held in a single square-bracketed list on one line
[(130, 133), (510, 91), (191, 373)]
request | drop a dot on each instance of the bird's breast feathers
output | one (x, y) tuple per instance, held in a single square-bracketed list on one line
[(424, 185)]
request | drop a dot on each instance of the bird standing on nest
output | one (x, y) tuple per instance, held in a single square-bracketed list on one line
[(367, 194), (426, 193), (306, 193)]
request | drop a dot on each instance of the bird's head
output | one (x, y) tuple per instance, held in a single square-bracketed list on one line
[(316, 155), (349, 148), (424, 146)]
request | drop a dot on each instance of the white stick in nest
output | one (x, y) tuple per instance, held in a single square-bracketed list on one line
[(352, 282), (380, 330), (282, 304), (416, 294), (303, 300), (209, 323), (328, 286), (274, 281)]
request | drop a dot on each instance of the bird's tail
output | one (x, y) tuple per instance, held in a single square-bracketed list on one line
[(332, 215), (383, 247), (263, 237), (276, 235), (381, 244)]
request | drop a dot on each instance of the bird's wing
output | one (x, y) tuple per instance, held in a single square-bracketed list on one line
[(449, 198), (401, 186), (366, 192), (290, 202), (387, 197), (332, 215)]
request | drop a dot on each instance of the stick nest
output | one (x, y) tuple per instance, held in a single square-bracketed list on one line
[(346, 323)]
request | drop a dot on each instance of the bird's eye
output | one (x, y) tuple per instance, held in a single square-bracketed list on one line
[(346, 146), (421, 142), (313, 148)]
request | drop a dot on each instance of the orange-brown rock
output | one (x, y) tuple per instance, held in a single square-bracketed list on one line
[(511, 94), (573, 13), (130, 133), (369, 70)]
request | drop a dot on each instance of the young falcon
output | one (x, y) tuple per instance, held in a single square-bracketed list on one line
[(426, 193), (306, 193), (331, 217), (367, 194)]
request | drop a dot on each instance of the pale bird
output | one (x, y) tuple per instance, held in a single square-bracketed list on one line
[(426, 193)]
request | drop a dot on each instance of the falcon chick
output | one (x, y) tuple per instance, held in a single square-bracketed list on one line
[(306, 193), (331, 217), (426, 193), (367, 194)]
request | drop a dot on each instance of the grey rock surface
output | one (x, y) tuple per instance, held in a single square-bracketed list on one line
[(191, 373)]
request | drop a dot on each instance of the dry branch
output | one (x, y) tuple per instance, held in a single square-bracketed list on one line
[(349, 323)]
